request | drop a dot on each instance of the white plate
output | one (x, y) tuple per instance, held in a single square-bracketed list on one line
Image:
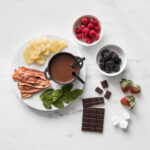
[(35, 101)]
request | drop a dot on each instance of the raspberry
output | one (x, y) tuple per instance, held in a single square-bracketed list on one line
[(94, 21), (78, 30), (79, 36), (97, 28), (84, 21), (82, 26), (88, 40), (85, 31), (90, 26), (92, 33), (97, 36), (84, 36)]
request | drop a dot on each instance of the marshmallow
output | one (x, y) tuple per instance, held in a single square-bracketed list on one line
[(123, 124), (126, 116), (114, 120)]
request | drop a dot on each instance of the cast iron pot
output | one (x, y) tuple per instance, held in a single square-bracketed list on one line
[(79, 61)]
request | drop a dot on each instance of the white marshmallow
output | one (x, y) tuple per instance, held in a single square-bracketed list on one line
[(115, 120), (126, 116), (123, 124)]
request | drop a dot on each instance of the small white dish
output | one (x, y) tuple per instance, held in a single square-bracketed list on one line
[(118, 50), (77, 24)]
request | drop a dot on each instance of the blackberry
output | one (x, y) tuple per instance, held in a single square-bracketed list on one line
[(108, 70), (116, 68), (102, 65), (110, 64), (104, 51)]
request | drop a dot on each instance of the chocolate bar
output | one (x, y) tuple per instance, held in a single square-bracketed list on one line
[(87, 102), (107, 94), (99, 90), (104, 84), (93, 119)]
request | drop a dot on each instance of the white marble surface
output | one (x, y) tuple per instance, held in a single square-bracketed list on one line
[(126, 23)]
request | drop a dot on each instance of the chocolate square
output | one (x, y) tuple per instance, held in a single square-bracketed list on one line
[(107, 94), (104, 84), (99, 90), (87, 102)]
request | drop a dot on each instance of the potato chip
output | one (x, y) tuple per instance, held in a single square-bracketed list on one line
[(41, 47), (41, 60), (26, 55)]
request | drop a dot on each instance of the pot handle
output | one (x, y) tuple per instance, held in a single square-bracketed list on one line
[(80, 61), (47, 74)]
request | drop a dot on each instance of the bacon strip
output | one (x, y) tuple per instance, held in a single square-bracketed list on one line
[(30, 81)]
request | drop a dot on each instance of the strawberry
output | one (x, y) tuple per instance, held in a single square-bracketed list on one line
[(135, 89), (125, 85), (128, 101)]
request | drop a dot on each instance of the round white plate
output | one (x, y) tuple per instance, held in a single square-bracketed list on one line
[(18, 61)]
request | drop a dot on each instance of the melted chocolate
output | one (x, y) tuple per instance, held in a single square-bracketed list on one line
[(60, 68)]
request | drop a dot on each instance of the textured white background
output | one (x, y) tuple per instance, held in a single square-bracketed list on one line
[(126, 23)]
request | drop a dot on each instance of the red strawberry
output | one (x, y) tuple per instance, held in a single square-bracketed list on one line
[(125, 85), (135, 89), (128, 101), (85, 20)]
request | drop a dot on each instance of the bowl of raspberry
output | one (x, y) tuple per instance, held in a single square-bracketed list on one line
[(111, 60), (87, 30)]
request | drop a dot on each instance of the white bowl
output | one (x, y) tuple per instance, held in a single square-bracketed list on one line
[(77, 24), (118, 51)]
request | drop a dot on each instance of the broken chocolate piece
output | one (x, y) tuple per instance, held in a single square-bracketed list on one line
[(87, 102), (93, 119), (104, 84), (99, 90), (107, 94)]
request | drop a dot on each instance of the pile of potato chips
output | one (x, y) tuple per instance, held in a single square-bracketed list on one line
[(39, 48)]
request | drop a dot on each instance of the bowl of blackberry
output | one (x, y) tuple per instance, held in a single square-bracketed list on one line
[(111, 60)]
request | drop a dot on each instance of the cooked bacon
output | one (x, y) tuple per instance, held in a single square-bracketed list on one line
[(28, 89), (30, 81), (34, 86)]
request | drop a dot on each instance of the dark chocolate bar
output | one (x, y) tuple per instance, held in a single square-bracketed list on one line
[(87, 102), (104, 84), (93, 119), (99, 90), (107, 94)]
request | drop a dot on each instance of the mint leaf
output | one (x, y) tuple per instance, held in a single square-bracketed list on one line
[(56, 95), (67, 87), (71, 95), (47, 104), (58, 104), (46, 93)]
